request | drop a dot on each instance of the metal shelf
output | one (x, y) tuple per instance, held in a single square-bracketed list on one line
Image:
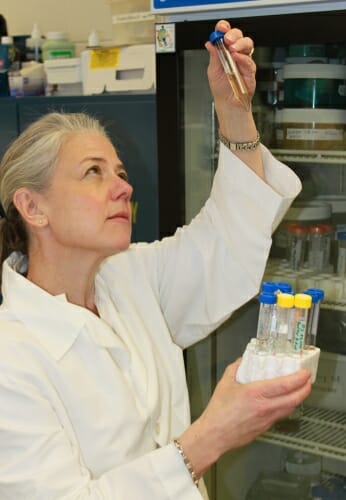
[(321, 431), (307, 156)]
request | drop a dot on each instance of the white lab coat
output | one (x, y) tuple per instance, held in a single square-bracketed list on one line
[(89, 406)]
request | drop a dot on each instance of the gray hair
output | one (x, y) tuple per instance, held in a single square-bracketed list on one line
[(29, 162)]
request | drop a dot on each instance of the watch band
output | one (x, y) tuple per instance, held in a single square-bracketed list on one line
[(240, 146)]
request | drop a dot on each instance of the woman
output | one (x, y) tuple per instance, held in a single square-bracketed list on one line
[(93, 394)]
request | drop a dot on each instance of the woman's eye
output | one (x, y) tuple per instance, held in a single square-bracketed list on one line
[(123, 175), (95, 169)]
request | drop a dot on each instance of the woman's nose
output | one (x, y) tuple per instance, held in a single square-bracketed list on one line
[(120, 188)]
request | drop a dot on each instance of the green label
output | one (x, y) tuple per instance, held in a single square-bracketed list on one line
[(299, 336), (59, 54)]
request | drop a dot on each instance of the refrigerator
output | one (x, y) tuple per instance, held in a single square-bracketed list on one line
[(305, 127)]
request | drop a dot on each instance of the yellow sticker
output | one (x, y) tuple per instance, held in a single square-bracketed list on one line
[(104, 58)]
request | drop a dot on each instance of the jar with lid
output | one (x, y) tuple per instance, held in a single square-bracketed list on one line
[(316, 247), (328, 237), (304, 465), (341, 262), (57, 46), (304, 213), (296, 245)]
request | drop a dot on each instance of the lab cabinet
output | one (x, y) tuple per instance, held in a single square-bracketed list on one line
[(8, 122), (131, 124)]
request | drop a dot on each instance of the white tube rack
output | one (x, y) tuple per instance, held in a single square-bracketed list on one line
[(321, 432)]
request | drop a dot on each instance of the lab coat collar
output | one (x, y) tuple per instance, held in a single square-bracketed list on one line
[(55, 322)]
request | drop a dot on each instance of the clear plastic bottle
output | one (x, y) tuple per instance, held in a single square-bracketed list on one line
[(302, 305), (266, 321), (284, 317), (33, 45), (234, 77)]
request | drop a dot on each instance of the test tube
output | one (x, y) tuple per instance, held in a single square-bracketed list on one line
[(266, 321), (284, 305), (314, 315), (302, 304), (231, 69)]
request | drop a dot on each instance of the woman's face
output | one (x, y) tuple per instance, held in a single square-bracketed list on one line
[(88, 201)]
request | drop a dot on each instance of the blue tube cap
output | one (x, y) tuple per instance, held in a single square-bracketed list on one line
[(269, 286), (267, 298), (316, 290), (215, 36), (315, 296), (284, 287)]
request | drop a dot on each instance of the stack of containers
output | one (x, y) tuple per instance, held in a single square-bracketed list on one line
[(63, 69), (313, 116)]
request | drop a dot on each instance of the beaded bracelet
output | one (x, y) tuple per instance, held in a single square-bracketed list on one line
[(186, 461)]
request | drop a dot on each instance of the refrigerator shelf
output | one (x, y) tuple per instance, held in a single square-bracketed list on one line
[(321, 431), (335, 306), (307, 156)]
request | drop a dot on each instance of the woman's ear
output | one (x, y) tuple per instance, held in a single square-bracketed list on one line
[(26, 202)]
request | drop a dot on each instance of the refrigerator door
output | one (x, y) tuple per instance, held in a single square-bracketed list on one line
[(188, 147)]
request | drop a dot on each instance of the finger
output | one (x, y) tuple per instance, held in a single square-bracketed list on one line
[(293, 399), (245, 45), (222, 25), (233, 36), (281, 386), (214, 61)]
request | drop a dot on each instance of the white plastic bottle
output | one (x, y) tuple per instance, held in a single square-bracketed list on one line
[(33, 49)]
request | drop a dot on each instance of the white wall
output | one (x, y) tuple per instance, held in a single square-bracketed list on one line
[(75, 17)]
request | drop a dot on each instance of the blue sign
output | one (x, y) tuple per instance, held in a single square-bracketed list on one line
[(167, 4), (205, 5)]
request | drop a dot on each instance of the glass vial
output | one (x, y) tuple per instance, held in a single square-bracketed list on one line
[(231, 69)]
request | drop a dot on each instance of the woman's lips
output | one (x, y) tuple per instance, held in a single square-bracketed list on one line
[(120, 215)]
